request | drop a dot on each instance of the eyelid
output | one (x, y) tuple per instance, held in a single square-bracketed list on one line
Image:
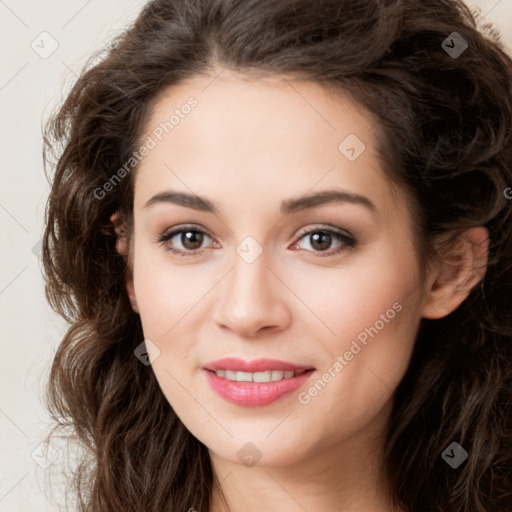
[(324, 227), (170, 232)]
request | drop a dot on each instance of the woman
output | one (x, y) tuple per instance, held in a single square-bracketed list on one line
[(281, 235)]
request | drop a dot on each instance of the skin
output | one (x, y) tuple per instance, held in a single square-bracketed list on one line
[(248, 145)]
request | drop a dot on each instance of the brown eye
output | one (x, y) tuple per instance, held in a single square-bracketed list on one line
[(321, 240), (191, 240), (184, 241)]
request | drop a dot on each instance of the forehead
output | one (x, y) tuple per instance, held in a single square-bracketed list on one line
[(277, 108), (264, 135)]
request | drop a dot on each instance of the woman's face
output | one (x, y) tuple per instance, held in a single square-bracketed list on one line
[(328, 284)]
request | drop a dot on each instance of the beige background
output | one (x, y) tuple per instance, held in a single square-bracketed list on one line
[(29, 86)]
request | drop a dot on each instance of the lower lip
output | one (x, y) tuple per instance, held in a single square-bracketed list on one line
[(249, 394)]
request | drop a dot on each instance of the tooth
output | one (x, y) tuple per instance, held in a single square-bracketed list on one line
[(267, 376), (230, 374), (261, 376), (244, 376)]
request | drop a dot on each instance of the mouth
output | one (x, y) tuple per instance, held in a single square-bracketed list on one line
[(255, 383), (256, 366)]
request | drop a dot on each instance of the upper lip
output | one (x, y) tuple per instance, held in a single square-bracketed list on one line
[(256, 365)]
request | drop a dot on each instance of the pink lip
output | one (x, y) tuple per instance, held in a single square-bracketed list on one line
[(250, 394), (258, 365)]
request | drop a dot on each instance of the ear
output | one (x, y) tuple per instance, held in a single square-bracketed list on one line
[(123, 249), (453, 279)]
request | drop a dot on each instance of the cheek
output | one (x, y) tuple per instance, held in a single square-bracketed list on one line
[(167, 292), (349, 299), (369, 315), (366, 365), (166, 296)]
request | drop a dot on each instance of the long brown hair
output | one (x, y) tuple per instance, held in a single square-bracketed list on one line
[(446, 125)]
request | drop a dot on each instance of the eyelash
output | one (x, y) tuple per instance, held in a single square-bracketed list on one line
[(348, 241)]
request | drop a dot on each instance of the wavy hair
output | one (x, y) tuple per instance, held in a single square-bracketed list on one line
[(445, 125)]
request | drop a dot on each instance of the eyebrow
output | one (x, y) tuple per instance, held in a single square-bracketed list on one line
[(288, 206)]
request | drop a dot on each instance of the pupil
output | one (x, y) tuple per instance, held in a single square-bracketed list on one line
[(192, 237), (321, 241)]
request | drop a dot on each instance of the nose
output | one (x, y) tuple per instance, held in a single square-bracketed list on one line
[(253, 300)]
